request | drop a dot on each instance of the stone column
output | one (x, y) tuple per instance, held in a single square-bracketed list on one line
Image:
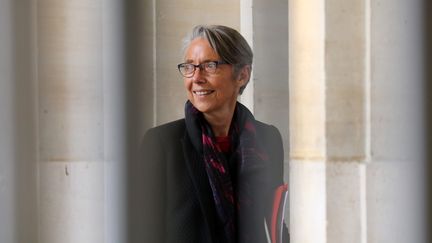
[(307, 121), (356, 121), (347, 121), (70, 144), (395, 179)]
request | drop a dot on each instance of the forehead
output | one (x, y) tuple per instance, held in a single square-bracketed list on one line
[(200, 50)]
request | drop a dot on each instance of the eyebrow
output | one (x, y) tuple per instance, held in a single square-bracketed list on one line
[(206, 60)]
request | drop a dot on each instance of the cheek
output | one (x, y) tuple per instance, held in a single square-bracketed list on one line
[(231, 88), (187, 84)]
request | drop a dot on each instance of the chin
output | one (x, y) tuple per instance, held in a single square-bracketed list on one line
[(202, 107)]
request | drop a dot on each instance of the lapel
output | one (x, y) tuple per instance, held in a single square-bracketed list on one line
[(198, 174)]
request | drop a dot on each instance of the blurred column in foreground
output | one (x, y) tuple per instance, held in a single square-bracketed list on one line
[(70, 146), (356, 121)]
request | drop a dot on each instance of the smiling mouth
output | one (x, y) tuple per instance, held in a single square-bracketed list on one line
[(203, 92)]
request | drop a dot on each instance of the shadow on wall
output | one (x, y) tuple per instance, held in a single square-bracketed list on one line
[(24, 147), (139, 69), (428, 108)]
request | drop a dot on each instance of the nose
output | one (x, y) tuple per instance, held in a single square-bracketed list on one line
[(198, 76)]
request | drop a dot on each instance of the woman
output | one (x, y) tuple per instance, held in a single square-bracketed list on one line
[(212, 175)]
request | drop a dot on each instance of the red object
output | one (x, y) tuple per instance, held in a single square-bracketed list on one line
[(224, 143), (280, 191)]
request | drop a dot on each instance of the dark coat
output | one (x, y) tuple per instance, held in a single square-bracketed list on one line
[(178, 203)]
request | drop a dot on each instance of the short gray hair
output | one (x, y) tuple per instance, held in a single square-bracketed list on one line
[(228, 43)]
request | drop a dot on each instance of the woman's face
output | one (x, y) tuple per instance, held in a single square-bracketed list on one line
[(214, 94)]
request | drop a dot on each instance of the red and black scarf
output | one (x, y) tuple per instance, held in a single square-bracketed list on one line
[(230, 194)]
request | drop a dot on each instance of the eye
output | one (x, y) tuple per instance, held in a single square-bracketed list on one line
[(211, 65), (188, 67)]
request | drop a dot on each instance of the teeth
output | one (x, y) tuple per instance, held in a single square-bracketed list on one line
[(202, 92)]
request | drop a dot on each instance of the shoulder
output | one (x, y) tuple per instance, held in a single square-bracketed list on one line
[(167, 130), (163, 137), (269, 138), (264, 126), (267, 132)]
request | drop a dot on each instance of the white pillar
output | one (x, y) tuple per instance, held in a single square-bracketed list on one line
[(308, 221), (347, 78), (356, 121), (71, 148), (396, 175)]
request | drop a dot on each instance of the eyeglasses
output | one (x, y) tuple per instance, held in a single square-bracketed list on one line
[(188, 69)]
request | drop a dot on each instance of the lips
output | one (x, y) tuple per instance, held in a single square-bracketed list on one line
[(202, 92)]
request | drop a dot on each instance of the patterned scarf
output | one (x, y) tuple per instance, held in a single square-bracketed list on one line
[(230, 194)]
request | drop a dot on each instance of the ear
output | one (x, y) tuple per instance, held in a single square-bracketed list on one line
[(244, 75)]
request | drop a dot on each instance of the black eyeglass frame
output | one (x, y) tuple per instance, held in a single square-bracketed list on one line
[(201, 66)]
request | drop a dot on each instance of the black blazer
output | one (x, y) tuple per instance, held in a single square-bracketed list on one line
[(178, 204)]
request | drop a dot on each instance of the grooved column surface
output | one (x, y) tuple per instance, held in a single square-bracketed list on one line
[(307, 80), (70, 80), (71, 170), (307, 185), (396, 175), (307, 122), (346, 61)]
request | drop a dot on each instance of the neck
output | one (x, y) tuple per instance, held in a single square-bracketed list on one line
[(220, 123)]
